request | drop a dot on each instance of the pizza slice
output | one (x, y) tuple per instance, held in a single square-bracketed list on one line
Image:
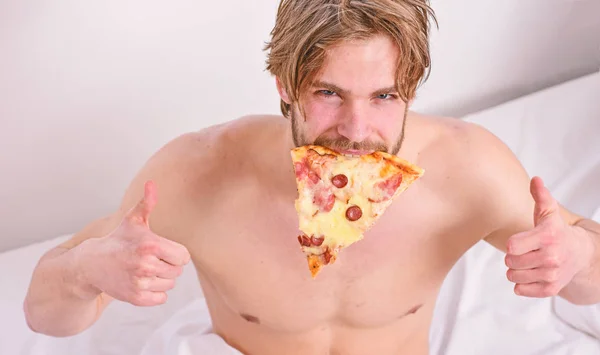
[(341, 197)]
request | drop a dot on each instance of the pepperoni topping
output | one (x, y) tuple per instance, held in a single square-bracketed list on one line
[(317, 241), (317, 162), (312, 241), (312, 176), (391, 185), (388, 187), (301, 170), (339, 181), (311, 168), (327, 256), (324, 199), (304, 240), (353, 213)]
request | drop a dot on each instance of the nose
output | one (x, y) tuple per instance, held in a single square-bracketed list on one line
[(355, 124)]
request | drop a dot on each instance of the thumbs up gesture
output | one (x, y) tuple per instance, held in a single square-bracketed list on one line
[(132, 264), (542, 261)]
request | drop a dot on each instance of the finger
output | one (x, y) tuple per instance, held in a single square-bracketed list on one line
[(148, 298), (158, 284), (167, 271), (140, 213), (548, 275), (153, 284), (537, 289), (173, 253), (525, 261), (523, 242), (545, 204)]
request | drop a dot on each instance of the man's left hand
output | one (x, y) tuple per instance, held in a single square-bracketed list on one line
[(542, 261)]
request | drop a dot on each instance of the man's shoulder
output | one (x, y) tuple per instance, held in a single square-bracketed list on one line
[(473, 166), (472, 160), (222, 143), (196, 171), (467, 148), (216, 154)]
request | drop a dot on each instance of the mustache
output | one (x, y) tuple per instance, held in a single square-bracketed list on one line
[(346, 144)]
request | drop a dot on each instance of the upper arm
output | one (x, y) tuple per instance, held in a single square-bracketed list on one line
[(505, 205), (508, 204)]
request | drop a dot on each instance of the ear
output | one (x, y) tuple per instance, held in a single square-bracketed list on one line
[(282, 92)]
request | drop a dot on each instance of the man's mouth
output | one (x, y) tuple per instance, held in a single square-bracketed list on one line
[(354, 153)]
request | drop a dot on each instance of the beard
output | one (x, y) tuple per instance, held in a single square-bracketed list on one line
[(342, 143)]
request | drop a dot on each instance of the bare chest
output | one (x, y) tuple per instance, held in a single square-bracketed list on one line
[(253, 266)]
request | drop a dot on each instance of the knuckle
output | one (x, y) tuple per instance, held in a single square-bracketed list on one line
[(552, 260), (145, 269), (140, 283), (548, 237), (546, 240), (148, 247)]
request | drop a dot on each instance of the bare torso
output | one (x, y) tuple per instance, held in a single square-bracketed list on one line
[(377, 298)]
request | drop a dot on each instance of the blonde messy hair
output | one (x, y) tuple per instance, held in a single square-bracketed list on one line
[(304, 29)]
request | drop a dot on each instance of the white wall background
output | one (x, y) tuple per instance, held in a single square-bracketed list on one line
[(88, 90)]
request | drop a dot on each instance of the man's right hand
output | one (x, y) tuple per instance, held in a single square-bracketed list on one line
[(132, 264)]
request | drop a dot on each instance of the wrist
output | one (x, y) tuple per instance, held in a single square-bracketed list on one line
[(589, 248), (81, 262)]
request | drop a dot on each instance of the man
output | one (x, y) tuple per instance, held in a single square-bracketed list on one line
[(224, 198)]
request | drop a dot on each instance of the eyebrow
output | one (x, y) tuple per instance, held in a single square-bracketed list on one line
[(335, 88)]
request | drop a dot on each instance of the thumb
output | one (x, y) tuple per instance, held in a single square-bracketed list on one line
[(545, 205), (140, 213)]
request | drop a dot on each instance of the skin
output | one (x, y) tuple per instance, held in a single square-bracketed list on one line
[(378, 297)]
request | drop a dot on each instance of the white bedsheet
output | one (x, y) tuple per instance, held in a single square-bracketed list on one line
[(476, 309), (556, 135)]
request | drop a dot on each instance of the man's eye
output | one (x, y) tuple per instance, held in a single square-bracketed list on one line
[(327, 92), (385, 96)]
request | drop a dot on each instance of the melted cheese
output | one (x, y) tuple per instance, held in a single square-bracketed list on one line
[(363, 175), (339, 231), (334, 224)]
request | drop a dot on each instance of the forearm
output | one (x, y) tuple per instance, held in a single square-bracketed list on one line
[(59, 302), (585, 286)]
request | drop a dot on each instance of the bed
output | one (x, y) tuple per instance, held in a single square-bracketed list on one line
[(555, 133)]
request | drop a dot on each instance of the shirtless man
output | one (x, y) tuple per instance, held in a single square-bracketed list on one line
[(224, 198)]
